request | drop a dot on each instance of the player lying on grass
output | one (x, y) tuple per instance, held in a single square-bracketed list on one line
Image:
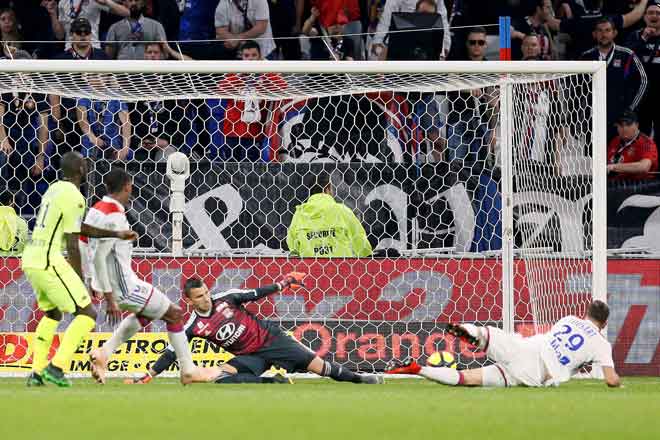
[(542, 360), (257, 344), (123, 290)]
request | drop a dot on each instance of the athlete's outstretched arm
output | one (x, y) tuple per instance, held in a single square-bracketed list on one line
[(94, 232), (244, 296), (292, 279)]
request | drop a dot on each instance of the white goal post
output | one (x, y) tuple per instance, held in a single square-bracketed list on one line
[(547, 250)]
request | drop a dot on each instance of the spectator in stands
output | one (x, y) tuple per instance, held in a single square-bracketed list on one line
[(537, 23), (476, 44), (530, 48), (24, 129), (238, 20), (646, 45), (632, 155), (428, 122), (167, 13), (371, 16), (328, 11), (105, 126), (469, 119), (82, 47), (237, 130), (50, 29), (27, 26), (469, 14), (167, 52), (131, 32), (158, 126), (572, 8), (159, 51), (9, 33), (426, 110), (59, 31), (283, 23), (197, 23), (378, 47), (332, 45), (427, 7), (23, 143), (323, 227), (14, 230), (154, 51), (63, 110), (71, 10), (626, 79), (250, 51), (578, 24)]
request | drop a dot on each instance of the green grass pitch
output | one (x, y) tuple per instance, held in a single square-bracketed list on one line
[(321, 409)]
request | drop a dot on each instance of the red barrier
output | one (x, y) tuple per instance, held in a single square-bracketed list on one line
[(364, 309)]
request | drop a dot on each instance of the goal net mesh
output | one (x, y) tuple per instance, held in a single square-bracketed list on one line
[(416, 157)]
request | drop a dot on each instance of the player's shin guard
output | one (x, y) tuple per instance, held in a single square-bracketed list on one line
[(43, 337), (339, 373), (127, 328), (179, 341), (73, 336), (447, 376)]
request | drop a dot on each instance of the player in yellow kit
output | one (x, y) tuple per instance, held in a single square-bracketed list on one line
[(57, 283)]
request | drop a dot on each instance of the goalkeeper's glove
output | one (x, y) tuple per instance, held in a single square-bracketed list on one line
[(139, 380), (293, 280)]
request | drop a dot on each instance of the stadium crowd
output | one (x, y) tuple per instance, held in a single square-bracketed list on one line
[(36, 129)]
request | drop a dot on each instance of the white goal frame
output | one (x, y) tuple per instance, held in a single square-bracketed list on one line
[(596, 69)]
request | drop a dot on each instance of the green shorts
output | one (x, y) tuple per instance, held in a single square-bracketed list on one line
[(58, 287)]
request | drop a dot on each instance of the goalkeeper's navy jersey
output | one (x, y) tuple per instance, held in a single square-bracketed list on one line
[(230, 326)]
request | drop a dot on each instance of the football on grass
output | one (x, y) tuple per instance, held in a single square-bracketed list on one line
[(441, 359)]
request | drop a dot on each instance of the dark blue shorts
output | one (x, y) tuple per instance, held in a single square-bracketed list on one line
[(283, 352)]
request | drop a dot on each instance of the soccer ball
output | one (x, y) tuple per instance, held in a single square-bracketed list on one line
[(442, 359)]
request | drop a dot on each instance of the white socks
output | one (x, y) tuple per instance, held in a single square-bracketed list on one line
[(447, 376), (180, 343), (131, 324), (127, 328)]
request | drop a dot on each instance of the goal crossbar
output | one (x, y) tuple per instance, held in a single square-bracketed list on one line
[(309, 67)]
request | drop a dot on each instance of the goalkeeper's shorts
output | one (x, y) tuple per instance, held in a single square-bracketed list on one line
[(283, 352), (143, 299)]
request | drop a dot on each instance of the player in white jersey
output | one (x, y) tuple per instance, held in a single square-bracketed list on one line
[(114, 276), (546, 359)]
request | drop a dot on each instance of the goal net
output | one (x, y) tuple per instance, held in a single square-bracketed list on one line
[(477, 185)]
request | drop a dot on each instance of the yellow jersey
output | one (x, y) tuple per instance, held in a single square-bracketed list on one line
[(61, 212)]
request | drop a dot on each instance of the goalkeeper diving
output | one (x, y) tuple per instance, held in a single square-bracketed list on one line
[(257, 344), (542, 360)]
